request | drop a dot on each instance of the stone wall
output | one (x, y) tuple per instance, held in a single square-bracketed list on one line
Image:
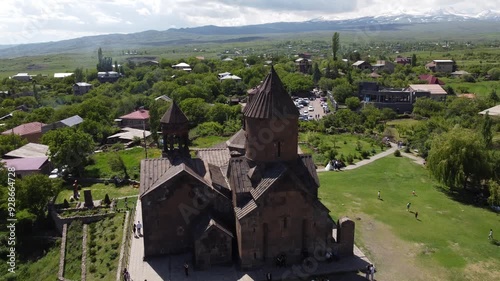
[(62, 255), (84, 252)]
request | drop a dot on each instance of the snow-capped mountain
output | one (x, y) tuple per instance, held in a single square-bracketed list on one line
[(410, 17)]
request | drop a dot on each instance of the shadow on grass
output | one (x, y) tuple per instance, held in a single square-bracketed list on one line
[(471, 196), (495, 242)]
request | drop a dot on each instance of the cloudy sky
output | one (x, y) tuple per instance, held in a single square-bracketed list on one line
[(27, 21)]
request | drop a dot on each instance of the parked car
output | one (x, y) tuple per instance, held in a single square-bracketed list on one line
[(310, 108)]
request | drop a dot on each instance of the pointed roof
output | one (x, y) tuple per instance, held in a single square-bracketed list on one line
[(272, 100), (174, 115)]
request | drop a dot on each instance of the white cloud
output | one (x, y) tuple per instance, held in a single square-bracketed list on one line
[(23, 21)]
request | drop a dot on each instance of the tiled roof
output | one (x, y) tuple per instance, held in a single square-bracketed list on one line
[(431, 79), (141, 114), (272, 100), (218, 179), (205, 223), (174, 115), (237, 140), (26, 129), (269, 177), (156, 172), (434, 89), (215, 156), (26, 164), (247, 209)]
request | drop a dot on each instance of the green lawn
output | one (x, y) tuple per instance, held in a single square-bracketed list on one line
[(455, 233), (104, 240), (481, 88), (132, 158), (99, 191), (73, 258), (205, 142), (344, 144)]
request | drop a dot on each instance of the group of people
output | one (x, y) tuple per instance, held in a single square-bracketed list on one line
[(137, 227), (370, 272)]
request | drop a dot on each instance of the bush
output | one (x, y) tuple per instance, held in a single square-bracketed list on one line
[(92, 268), (350, 159), (397, 153), (365, 154)]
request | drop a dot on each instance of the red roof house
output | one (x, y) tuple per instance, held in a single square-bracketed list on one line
[(31, 131), (26, 166), (138, 119), (431, 79)]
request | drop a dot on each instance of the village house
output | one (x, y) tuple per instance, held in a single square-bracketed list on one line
[(30, 131), (383, 65), (402, 60), (72, 121), (362, 65), (62, 75), (128, 136), (23, 77), (108, 76), (251, 201), (435, 91), (430, 79), (228, 76), (28, 166), (29, 150), (81, 88), (303, 65), (445, 66), (182, 66), (399, 100), (138, 119)]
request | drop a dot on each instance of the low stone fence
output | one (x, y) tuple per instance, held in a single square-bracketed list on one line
[(62, 255)]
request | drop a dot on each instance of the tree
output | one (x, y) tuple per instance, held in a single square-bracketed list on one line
[(68, 146), (117, 164), (458, 157), (486, 130), (154, 120), (493, 96), (78, 73), (316, 73), (494, 198), (10, 142), (342, 92), (352, 103), (413, 60), (426, 107), (335, 45), (34, 191), (196, 110)]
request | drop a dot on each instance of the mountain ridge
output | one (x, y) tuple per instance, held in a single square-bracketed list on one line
[(221, 34)]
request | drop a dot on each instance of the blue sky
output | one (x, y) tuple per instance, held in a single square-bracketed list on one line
[(26, 21)]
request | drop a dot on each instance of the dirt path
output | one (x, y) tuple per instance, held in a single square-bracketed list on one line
[(395, 259)]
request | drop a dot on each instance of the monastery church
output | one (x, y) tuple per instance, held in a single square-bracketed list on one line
[(248, 201)]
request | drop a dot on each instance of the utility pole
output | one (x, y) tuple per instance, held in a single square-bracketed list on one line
[(144, 135)]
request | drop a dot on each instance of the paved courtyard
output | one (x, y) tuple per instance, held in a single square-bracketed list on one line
[(170, 268)]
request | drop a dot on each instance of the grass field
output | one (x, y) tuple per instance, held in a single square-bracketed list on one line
[(99, 191), (481, 88), (45, 268), (132, 158), (205, 142), (447, 242)]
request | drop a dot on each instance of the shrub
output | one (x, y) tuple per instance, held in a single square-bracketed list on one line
[(113, 255), (210, 129), (106, 199), (397, 153), (92, 268), (350, 159), (365, 154)]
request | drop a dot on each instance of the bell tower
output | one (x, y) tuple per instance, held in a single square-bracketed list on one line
[(175, 130), (271, 123)]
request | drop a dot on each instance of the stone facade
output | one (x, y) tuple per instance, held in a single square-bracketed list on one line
[(251, 201)]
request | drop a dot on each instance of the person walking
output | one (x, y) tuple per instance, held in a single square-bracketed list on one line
[(269, 276), (378, 195), (368, 271), (490, 236), (139, 226), (408, 206), (186, 269), (416, 215), (133, 229), (372, 272)]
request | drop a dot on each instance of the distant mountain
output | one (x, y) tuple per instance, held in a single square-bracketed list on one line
[(394, 21)]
